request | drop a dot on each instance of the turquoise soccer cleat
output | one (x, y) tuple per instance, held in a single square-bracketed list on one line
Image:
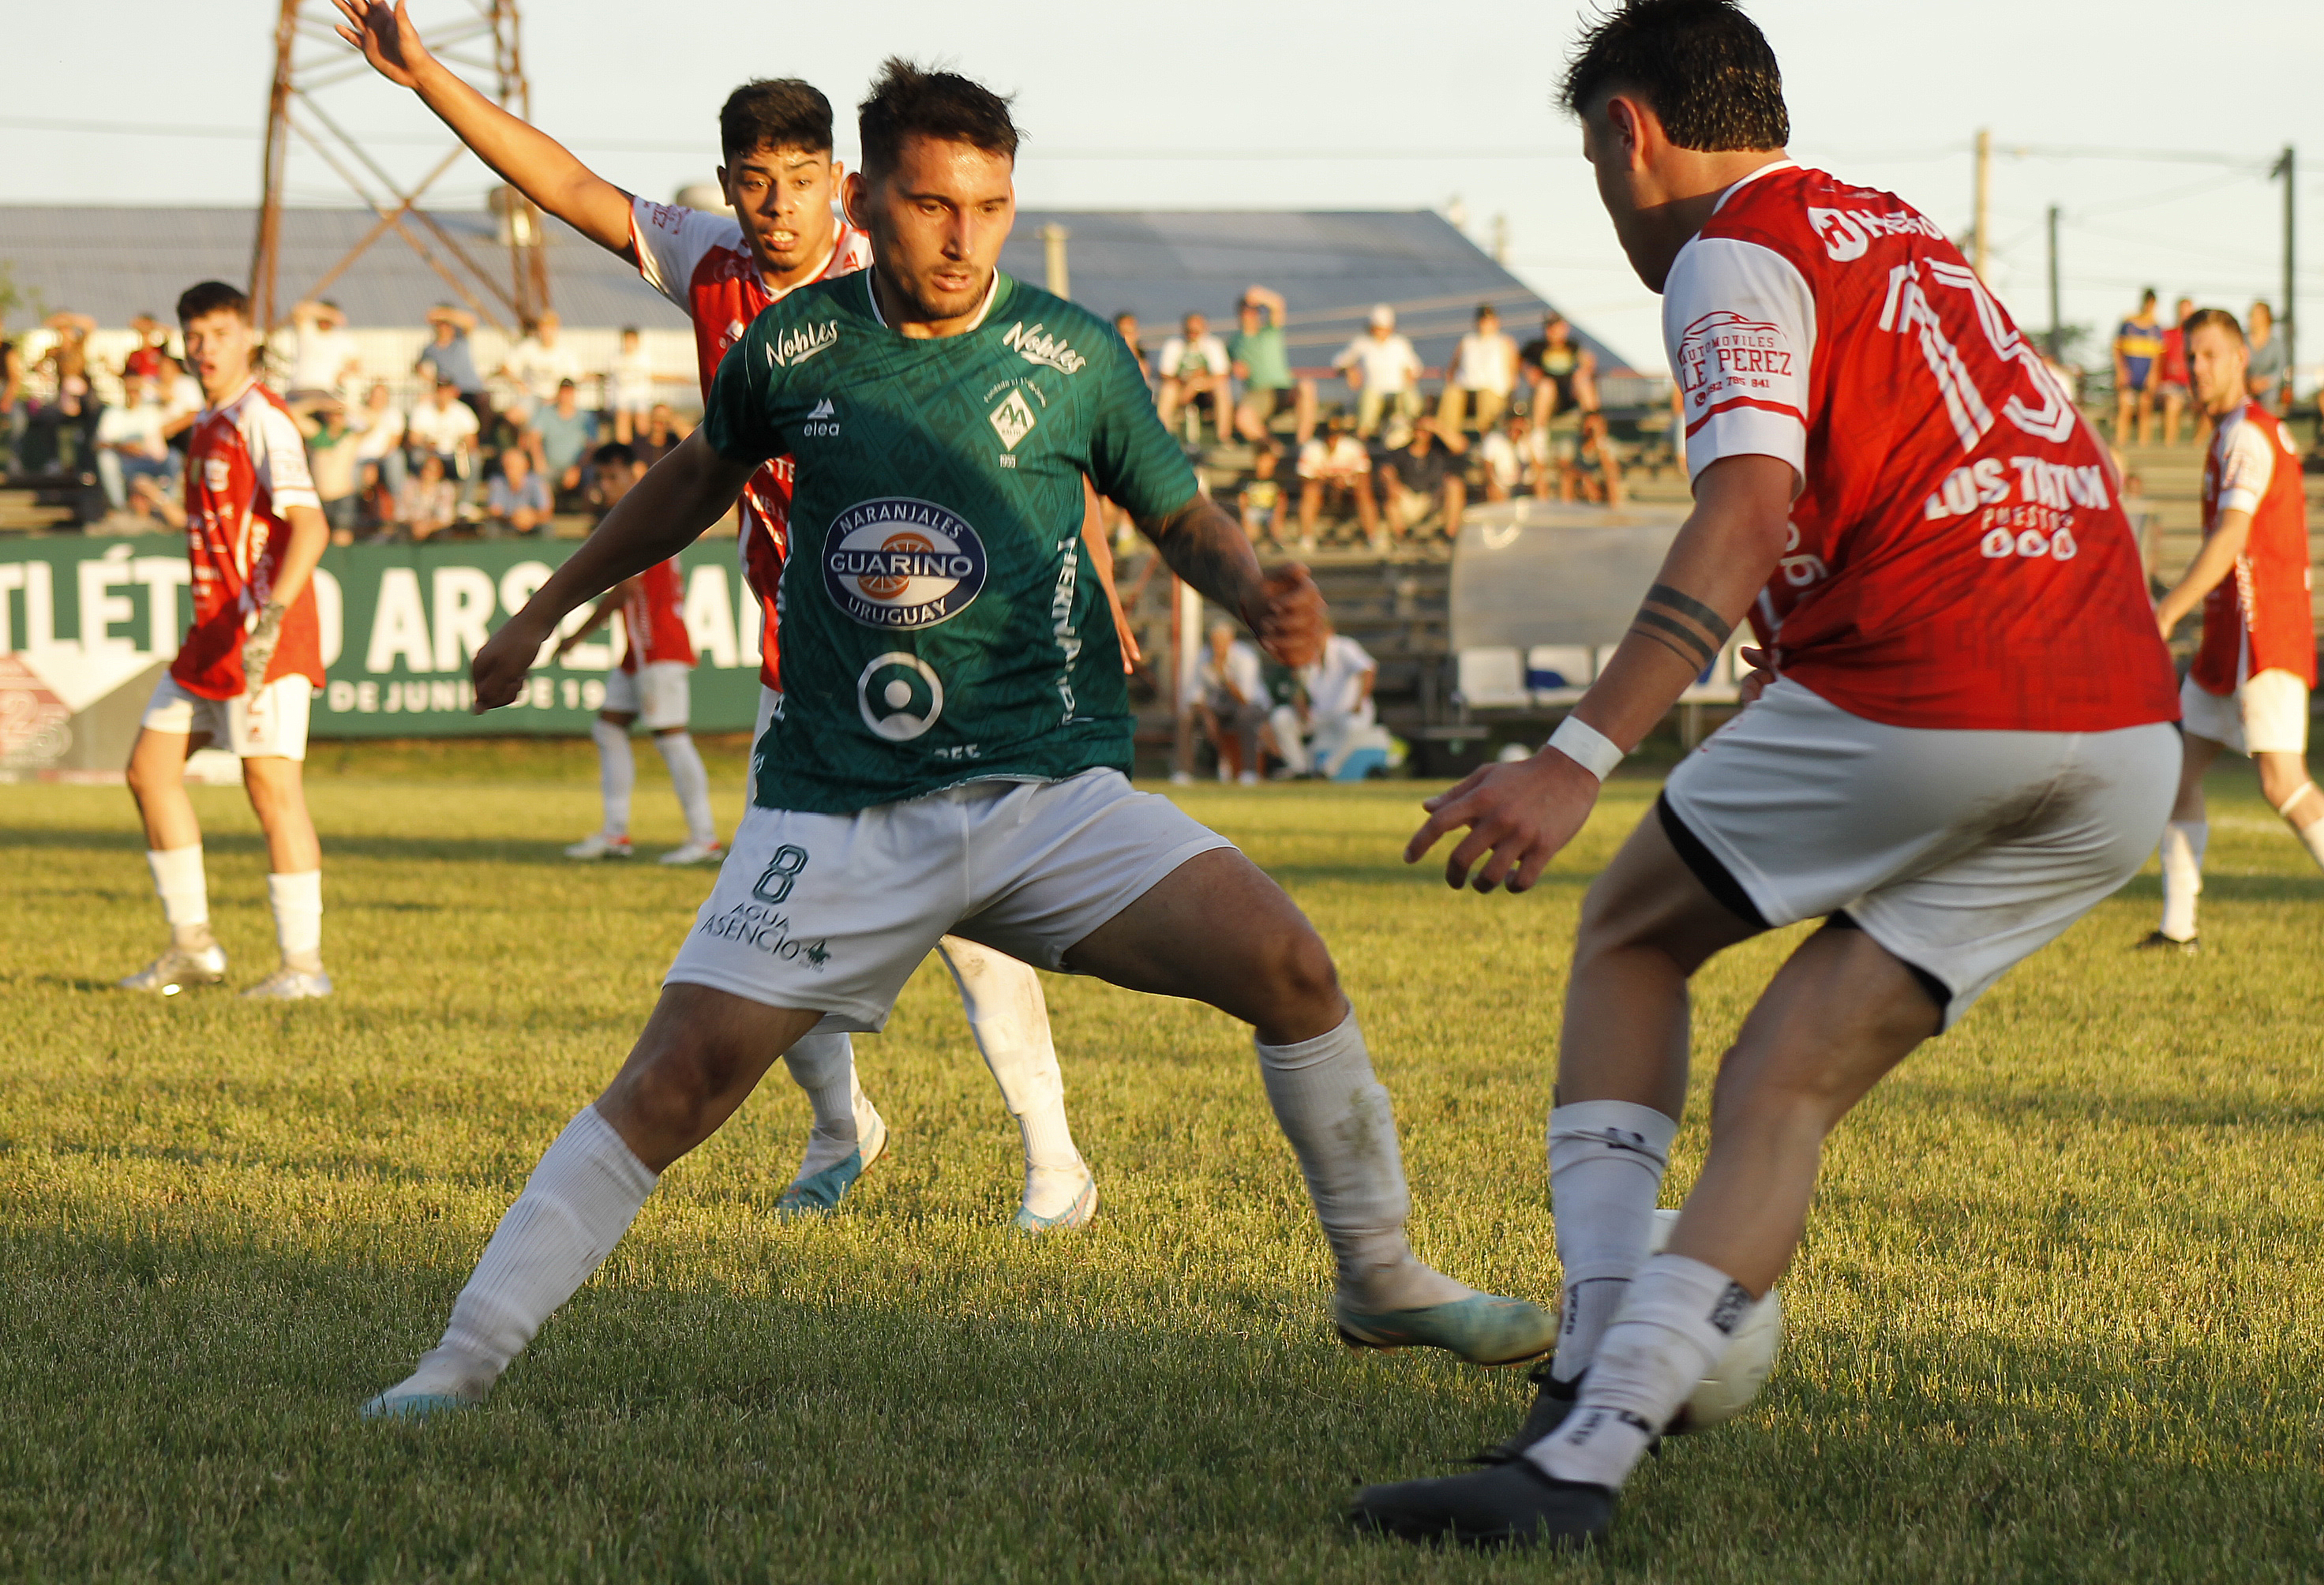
[(819, 1193), (1077, 1214), (1484, 1329)]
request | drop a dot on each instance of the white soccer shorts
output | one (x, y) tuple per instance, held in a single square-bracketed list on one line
[(1961, 852), (834, 912), (271, 724), (659, 694), (2267, 715)]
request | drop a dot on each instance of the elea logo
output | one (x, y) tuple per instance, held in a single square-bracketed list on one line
[(794, 346), (1038, 346), (901, 565)]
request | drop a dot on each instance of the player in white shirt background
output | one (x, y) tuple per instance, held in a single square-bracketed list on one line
[(1338, 688), (724, 269)]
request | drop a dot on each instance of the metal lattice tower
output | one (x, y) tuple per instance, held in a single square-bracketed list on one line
[(515, 297)]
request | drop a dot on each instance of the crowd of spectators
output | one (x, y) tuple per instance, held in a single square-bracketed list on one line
[(2152, 381), (497, 454)]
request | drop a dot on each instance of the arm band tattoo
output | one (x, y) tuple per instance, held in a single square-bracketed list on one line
[(1687, 605), (1688, 643)]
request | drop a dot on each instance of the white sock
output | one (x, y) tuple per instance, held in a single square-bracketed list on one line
[(1677, 1320), (1340, 1126), (2310, 835), (617, 774), (297, 901), (2183, 842), (1606, 1164), (1010, 1018), (823, 1065), (574, 1208), (691, 782), (185, 894)]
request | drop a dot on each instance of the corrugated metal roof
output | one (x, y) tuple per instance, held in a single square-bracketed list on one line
[(1331, 266)]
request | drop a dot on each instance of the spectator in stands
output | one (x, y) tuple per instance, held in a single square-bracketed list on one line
[(661, 436), (66, 419), (1258, 358), (2137, 346), (430, 503), (1484, 373), (379, 444), (628, 386), (445, 428), (156, 506), (1125, 324), (1516, 457), (15, 409), (1196, 370), (153, 346), (1262, 497), (1231, 705), (518, 501), (326, 364), (2171, 375), (2264, 375), (1420, 478), (332, 458), (1336, 688), (1384, 370), (538, 365), (561, 437), (130, 444), (1563, 374), (449, 357), (1593, 473), (1336, 466)]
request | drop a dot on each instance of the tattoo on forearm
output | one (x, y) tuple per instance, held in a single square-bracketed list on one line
[(1205, 546), (1682, 624)]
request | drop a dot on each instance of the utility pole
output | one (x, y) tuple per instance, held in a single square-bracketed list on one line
[(1983, 224), (1060, 280), (2057, 330), (2287, 316)]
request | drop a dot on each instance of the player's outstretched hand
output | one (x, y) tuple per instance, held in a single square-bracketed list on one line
[(499, 669), (1518, 816), (385, 34), (1762, 673), (1290, 616)]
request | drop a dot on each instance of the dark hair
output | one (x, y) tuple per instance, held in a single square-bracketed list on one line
[(2207, 319), (211, 296), (613, 454), (908, 102), (1484, 309), (1702, 65), (779, 112)]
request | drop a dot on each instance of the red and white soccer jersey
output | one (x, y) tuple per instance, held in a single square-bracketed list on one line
[(653, 619), (245, 466), (700, 261), (2258, 620), (1956, 557)]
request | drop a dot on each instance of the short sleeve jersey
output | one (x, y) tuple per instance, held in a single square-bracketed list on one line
[(1957, 558), (245, 466), (700, 261), (2138, 343), (943, 625), (653, 619), (2258, 617)]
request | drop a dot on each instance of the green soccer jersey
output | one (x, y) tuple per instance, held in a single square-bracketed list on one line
[(939, 621)]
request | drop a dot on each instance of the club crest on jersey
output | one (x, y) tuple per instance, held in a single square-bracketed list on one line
[(794, 346), (901, 565), (217, 472), (1037, 345), (1012, 421)]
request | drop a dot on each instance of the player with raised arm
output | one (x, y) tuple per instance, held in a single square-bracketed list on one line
[(249, 666), (723, 271), (948, 750), (1960, 739), (2249, 687)]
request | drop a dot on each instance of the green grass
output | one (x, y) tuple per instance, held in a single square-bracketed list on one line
[(2056, 1317)]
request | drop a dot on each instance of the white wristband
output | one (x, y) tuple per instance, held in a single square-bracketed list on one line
[(1586, 746)]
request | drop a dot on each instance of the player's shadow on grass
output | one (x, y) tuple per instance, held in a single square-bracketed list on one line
[(400, 850), (2213, 1106)]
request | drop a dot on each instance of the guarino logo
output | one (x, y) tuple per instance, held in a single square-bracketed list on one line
[(901, 565)]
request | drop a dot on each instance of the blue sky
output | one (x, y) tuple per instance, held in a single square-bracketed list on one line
[(1197, 103)]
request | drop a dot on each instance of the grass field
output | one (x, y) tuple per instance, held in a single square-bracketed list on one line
[(2056, 1317)]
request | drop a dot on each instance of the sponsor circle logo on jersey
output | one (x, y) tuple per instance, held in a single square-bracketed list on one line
[(901, 565), (900, 696)]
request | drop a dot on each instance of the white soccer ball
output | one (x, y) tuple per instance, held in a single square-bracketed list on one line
[(1735, 1380)]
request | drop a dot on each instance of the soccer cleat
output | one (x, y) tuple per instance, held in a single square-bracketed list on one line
[(289, 984), (695, 852), (2157, 942), (395, 1403), (1552, 1400), (176, 969), (819, 1193), (1509, 1505), (1484, 1329), (1077, 1214), (598, 845)]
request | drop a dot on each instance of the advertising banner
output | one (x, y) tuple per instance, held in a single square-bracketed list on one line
[(85, 621)]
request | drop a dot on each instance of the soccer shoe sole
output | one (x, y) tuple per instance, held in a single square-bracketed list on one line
[(1510, 1505), (171, 972), (1483, 1329), (820, 1193), (417, 1405), (1077, 1214)]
